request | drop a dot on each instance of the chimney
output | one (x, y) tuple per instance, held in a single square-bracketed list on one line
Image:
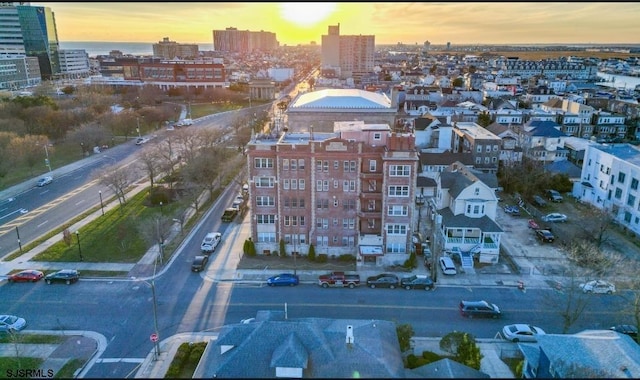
[(349, 334)]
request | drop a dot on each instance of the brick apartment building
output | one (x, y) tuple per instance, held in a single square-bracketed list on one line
[(351, 191)]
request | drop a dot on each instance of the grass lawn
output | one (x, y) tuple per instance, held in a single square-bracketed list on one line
[(112, 238), (68, 370), (9, 366), (287, 263), (31, 339)]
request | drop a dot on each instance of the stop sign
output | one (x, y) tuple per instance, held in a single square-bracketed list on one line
[(154, 337)]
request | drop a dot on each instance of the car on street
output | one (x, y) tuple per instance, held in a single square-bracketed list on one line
[(521, 332), (554, 195), (472, 309), (11, 323), (383, 280), (539, 201), (247, 320), (630, 330), (142, 140), (68, 276), (210, 242), (199, 263), (545, 236), (599, 287), (44, 181), (554, 217), (28, 275), (283, 279), (417, 282)]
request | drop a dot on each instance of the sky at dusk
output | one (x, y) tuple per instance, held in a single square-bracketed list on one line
[(301, 23)]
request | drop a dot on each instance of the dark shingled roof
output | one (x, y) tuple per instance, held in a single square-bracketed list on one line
[(484, 223), (545, 128), (446, 158), (425, 182), (448, 369)]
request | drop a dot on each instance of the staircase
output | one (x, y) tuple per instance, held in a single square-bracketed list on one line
[(466, 259)]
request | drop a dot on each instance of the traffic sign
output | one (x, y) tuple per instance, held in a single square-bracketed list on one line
[(154, 337)]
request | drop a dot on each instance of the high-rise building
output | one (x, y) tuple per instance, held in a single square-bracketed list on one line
[(243, 41), (30, 30), (74, 63), (170, 50), (351, 56)]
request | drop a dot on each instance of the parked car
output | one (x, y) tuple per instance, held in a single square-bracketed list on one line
[(210, 242), (142, 140), (545, 236), (247, 320), (11, 323), (521, 332), (532, 224), (447, 266), (538, 201), (554, 195), (283, 279), (471, 309), (68, 276), (199, 263), (598, 286), (383, 280), (417, 282), (555, 217), (630, 330), (44, 181), (29, 275), (512, 210)]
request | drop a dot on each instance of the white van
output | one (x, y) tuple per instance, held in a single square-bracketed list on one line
[(447, 266)]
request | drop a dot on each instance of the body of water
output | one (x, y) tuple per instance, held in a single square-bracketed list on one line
[(619, 81), (103, 48)]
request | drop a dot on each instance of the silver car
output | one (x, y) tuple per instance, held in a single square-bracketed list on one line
[(555, 217), (598, 286), (11, 323), (521, 332), (44, 181)]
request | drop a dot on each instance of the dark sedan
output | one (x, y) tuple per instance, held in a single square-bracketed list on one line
[(68, 276), (283, 279), (28, 275), (417, 282), (199, 263), (384, 280), (545, 236)]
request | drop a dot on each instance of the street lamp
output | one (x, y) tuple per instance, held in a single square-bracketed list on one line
[(46, 161), (101, 204), (82, 147), (161, 209), (79, 248), (138, 125), (19, 243)]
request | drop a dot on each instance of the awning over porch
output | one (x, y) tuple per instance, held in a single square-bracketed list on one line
[(371, 250)]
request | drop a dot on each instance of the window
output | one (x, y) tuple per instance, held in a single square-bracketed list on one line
[(479, 149), (349, 204), (399, 170), (495, 148), (322, 223), (285, 184), (621, 177), (476, 191), (336, 165), (325, 166), (319, 166), (478, 160), (322, 204), (293, 164), (285, 164), (265, 201), (377, 136), (398, 191), (372, 185), (301, 184), (335, 184), (396, 248), (488, 149), (349, 223), (266, 237), (396, 229), (287, 220), (335, 202), (618, 194), (398, 210), (345, 166), (325, 185), (319, 185), (631, 200), (301, 203), (263, 163), (265, 219), (634, 184), (372, 165), (300, 164), (294, 184), (352, 166), (264, 181), (372, 205), (371, 223)]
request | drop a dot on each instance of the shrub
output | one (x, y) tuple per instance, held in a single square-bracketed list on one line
[(179, 361), (322, 258), (346, 258), (430, 357), (405, 333), (283, 252), (410, 263), (312, 253)]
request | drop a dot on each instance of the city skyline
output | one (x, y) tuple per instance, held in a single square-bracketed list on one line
[(301, 23)]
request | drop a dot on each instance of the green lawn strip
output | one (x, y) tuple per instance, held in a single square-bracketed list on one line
[(69, 369), (185, 361), (9, 366), (31, 339)]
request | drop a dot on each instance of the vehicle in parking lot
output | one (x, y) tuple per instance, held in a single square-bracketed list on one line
[(28, 275), (555, 217), (210, 242), (417, 282), (532, 224), (283, 279), (512, 210), (630, 330), (447, 266), (521, 332), (44, 181), (383, 280), (554, 195), (199, 263), (538, 201), (471, 309), (545, 236), (11, 323), (68, 276), (598, 286)]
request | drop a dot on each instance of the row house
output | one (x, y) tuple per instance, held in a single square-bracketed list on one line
[(543, 141), (609, 126), (466, 207), (350, 192), (482, 144), (549, 69), (610, 181), (510, 148), (538, 96)]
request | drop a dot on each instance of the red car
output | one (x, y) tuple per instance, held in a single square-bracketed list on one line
[(532, 224), (28, 275)]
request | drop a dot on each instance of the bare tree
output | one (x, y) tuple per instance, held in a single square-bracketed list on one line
[(149, 161), (156, 231), (169, 154), (118, 180), (570, 301), (29, 149)]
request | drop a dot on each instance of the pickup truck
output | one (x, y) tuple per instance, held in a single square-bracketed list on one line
[(339, 280), (229, 214)]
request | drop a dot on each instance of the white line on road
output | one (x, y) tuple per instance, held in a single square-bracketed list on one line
[(80, 201), (120, 360), (43, 223)]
